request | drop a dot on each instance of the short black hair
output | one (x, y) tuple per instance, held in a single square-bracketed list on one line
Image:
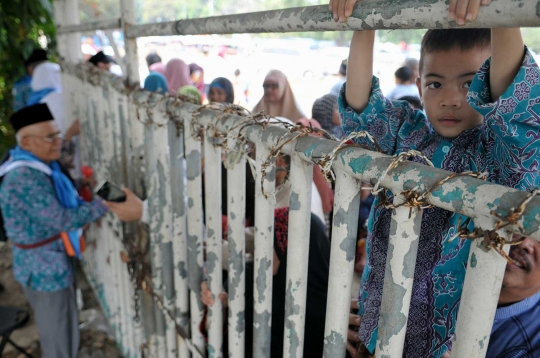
[(404, 74), (449, 39), (343, 67), (152, 58), (37, 56), (413, 101)]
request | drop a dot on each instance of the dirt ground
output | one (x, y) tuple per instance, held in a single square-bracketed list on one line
[(95, 338)]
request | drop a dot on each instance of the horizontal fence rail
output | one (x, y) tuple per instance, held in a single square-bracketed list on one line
[(170, 130), (367, 15), (107, 24)]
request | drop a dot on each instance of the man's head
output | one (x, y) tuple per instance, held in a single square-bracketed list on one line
[(404, 76), (413, 64), (38, 56), (448, 63), (101, 60), (343, 68), (523, 279), (152, 58), (37, 132)]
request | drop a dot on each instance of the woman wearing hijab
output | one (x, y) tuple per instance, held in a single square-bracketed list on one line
[(158, 67), (278, 99), (47, 88), (191, 92), (156, 82), (177, 75), (221, 91), (196, 74), (325, 112)]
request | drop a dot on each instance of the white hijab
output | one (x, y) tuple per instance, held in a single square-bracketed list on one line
[(47, 75)]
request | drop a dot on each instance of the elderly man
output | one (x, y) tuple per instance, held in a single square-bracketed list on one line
[(43, 217), (516, 329)]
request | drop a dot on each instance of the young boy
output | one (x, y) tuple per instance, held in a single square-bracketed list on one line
[(480, 115)]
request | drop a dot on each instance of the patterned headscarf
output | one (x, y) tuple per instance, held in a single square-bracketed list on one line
[(323, 110), (287, 106), (225, 85), (177, 75), (191, 92)]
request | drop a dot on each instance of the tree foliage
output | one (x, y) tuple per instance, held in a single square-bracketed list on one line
[(22, 23)]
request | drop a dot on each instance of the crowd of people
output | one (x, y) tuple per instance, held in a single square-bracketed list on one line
[(469, 104)]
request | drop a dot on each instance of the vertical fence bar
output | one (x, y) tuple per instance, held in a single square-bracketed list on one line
[(398, 279), (297, 257), (212, 175), (236, 207), (481, 290), (134, 307), (179, 206), (343, 251), (264, 257), (160, 206), (136, 162), (195, 227), (156, 255)]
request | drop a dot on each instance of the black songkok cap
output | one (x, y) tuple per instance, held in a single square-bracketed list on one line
[(38, 55), (30, 115), (99, 57)]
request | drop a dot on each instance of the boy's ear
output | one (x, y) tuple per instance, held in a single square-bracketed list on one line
[(419, 85)]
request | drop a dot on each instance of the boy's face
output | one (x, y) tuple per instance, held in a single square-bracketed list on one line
[(443, 86)]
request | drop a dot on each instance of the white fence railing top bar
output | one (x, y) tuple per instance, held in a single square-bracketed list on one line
[(368, 15), (107, 24), (478, 201)]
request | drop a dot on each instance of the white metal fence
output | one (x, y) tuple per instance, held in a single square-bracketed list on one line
[(151, 143)]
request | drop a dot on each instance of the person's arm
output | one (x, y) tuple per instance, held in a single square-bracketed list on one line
[(360, 70), (507, 51), (32, 193), (511, 124)]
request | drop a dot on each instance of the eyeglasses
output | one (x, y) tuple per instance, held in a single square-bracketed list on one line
[(50, 138), (270, 86)]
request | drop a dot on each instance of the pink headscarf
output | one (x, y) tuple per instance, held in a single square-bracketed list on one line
[(158, 67), (177, 75)]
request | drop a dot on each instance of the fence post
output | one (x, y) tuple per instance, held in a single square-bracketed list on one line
[(342, 254), (160, 210), (236, 193), (195, 226), (264, 258), (297, 256), (398, 279), (213, 183), (179, 202), (481, 290)]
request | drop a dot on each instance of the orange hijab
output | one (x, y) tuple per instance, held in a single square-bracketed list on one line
[(286, 106)]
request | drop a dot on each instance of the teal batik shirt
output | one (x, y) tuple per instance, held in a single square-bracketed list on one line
[(32, 213), (506, 146)]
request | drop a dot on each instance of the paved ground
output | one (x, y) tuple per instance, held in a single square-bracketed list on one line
[(95, 341)]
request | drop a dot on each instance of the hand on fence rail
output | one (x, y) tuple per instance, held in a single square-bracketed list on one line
[(461, 11)]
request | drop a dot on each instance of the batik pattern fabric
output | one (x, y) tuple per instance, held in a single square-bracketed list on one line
[(506, 146), (32, 213)]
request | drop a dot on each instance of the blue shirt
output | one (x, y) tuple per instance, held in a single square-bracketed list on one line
[(516, 330), (32, 213), (504, 146), (21, 92)]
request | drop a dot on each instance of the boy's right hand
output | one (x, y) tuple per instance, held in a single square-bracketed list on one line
[(342, 9), (461, 11)]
